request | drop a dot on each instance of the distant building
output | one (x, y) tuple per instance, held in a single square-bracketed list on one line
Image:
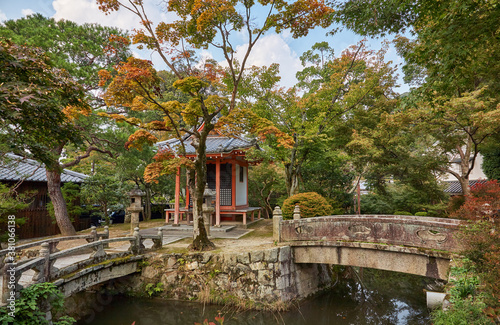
[(227, 175), (31, 176), (476, 176)]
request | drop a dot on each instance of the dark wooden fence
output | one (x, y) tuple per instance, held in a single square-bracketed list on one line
[(37, 221)]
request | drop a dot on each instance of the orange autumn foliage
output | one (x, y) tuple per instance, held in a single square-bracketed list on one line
[(140, 138), (165, 163)]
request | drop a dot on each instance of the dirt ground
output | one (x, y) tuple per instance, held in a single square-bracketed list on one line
[(260, 237)]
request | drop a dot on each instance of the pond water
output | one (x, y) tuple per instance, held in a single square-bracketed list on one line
[(372, 297)]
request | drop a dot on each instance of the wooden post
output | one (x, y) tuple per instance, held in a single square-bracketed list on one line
[(245, 170), (233, 185), (217, 192), (177, 197)]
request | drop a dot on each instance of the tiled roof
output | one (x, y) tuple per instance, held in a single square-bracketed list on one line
[(215, 144), (454, 187), (18, 168)]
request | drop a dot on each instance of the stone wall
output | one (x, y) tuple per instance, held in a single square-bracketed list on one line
[(258, 279)]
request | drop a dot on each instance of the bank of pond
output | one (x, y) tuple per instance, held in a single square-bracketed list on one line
[(358, 296)]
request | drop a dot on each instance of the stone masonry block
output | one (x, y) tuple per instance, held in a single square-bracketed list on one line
[(257, 256), (285, 254), (271, 255), (171, 262), (243, 258), (192, 265), (229, 259)]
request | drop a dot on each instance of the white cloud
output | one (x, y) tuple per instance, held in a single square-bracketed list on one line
[(273, 49), (27, 12), (3, 17), (87, 11)]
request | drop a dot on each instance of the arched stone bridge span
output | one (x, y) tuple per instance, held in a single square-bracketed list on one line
[(83, 266), (416, 245)]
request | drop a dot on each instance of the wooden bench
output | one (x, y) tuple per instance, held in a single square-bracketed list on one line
[(189, 214)]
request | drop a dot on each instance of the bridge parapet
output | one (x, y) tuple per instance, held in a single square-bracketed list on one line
[(421, 232), (13, 252), (45, 271)]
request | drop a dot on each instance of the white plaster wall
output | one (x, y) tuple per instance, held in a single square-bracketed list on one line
[(241, 187), (477, 171)]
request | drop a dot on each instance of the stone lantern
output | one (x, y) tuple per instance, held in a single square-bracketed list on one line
[(208, 207), (135, 207)]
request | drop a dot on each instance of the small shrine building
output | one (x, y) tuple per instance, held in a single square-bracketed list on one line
[(227, 174)]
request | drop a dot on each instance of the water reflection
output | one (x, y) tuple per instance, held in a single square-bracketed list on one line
[(373, 297)]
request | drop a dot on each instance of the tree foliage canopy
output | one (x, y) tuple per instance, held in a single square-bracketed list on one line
[(33, 94), (211, 90)]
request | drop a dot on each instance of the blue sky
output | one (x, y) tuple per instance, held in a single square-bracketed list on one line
[(280, 48)]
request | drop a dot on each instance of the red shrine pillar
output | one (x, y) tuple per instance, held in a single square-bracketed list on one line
[(217, 192), (233, 185), (177, 196)]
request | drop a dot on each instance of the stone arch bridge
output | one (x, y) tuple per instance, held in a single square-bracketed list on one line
[(89, 264), (409, 244)]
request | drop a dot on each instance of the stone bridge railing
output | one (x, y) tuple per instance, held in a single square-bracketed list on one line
[(420, 232), (43, 266), (16, 252)]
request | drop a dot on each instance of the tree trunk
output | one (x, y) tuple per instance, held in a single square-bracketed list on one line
[(147, 203), (105, 212), (465, 166), (197, 180), (464, 182), (292, 180), (292, 171), (60, 209)]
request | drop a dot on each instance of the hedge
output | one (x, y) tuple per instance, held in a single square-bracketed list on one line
[(311, 205)]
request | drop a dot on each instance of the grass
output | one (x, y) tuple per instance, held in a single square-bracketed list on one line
[(262, 229)]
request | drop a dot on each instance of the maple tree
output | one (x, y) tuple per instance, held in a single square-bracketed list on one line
[(212, 91), (481, 236), (266, 186), (32, 93), (336, 91), (452, 44), (443, 135), (451, 57), (58, 110)]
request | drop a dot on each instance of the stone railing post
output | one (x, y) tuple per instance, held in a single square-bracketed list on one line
[(93, 235), (138, 246), (105, 235), (9, 278), (42, 274), (99, 253), (277, 218), (53, 247), (296, 212), (158, 242)]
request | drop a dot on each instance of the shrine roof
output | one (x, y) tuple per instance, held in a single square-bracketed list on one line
[(215, 144), (16, 168)]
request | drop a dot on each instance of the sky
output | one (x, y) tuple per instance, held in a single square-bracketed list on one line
[(272, 48)]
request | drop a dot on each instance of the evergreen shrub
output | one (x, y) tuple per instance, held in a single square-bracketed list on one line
[(421, 214), (311, 205), (402, 213)]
